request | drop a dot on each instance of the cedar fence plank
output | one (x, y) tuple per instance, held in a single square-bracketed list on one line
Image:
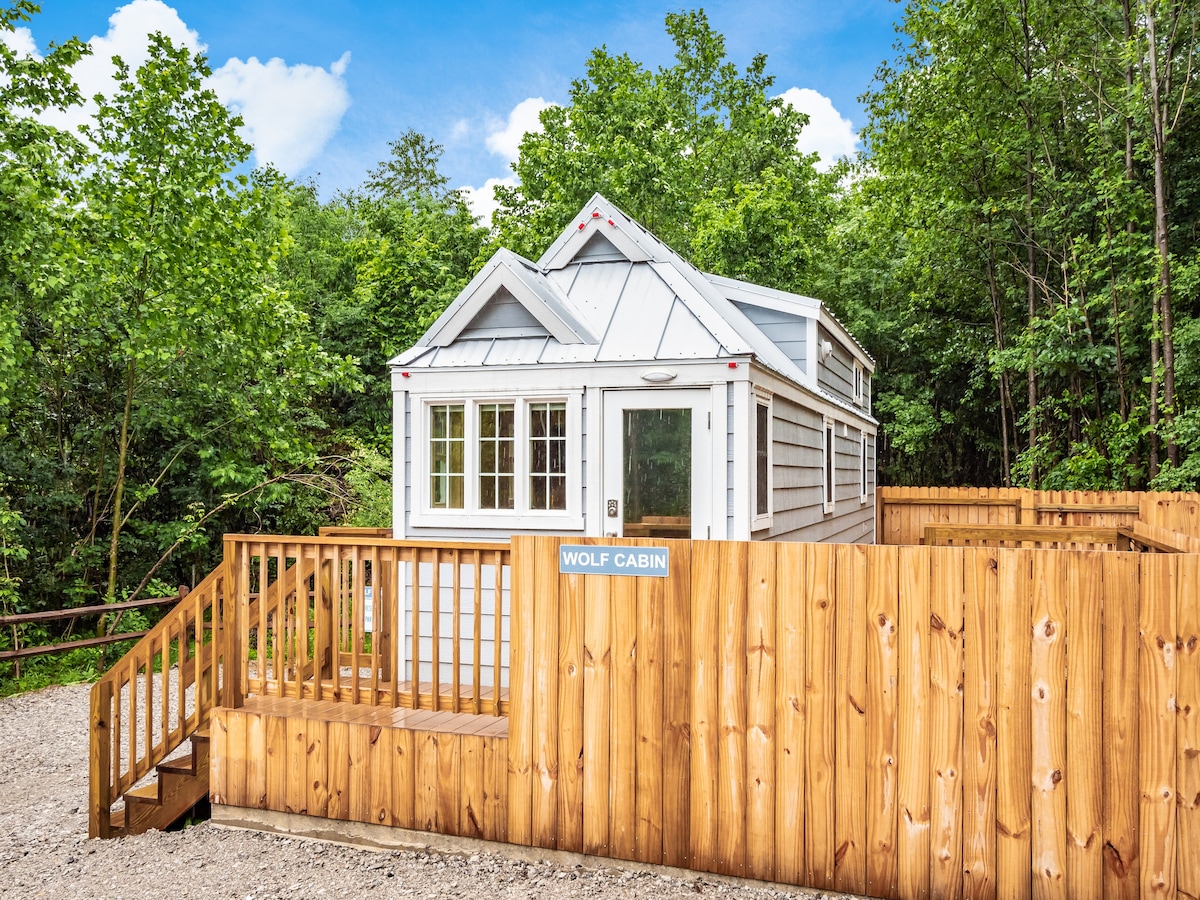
[(850, 814), (677, 708), (731, 748), (1085, 723), (881, 705), (651, 595), (1188, 709), (1122, 865), (913, 739), (1156, 721), (597, 704), (570, 712), (623, 743), (1049, 726), (790, 714), (1013, 650), (946, 723), (761, 789), (820, 732), (980, 575), (705, 721)]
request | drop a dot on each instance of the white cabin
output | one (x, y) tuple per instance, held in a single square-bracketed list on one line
[(612, 389)]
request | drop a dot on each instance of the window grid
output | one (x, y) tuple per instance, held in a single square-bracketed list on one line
[(447, 456), (497, 458), (548, 456)]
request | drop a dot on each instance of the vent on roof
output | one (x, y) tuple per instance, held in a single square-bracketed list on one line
[(503, 316), (598, 249)]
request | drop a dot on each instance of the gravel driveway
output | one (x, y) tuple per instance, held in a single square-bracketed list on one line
[(45, 852)]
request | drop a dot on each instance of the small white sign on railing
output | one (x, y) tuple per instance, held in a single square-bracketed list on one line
[(368, 609)]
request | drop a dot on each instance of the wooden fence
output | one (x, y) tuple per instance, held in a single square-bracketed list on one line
[(903, 511), (891, 721)]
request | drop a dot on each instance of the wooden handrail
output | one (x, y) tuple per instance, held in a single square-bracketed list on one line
[(77, 611), (128, 735), (307, 636)]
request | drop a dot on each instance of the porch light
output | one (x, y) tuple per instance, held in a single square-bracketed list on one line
[(658, 376)]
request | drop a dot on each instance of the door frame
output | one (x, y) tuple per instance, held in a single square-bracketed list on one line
[(700, 400)]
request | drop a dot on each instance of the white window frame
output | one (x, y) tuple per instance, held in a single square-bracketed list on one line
[(859, 379), (862, 468), (828, 464), (471, 516), (760, 521)]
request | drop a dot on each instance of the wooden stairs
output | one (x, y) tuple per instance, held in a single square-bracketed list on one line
[(182, 782)]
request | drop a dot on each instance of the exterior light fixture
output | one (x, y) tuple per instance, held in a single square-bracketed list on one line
[(658, 376)]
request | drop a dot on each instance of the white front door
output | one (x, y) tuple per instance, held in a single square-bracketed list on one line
[(657, 463)]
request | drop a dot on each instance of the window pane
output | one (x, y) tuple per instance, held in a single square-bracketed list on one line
[(507, 421), (558, 492), (537, 492), (446, 463), (558, 420), (657, 484), (504, 494), (761, 460), (507, 463), (537, 421), (487, 421), (538, 454), (487, 491), (487, 456)]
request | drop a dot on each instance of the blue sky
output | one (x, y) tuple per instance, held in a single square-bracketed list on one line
[(324, 86)]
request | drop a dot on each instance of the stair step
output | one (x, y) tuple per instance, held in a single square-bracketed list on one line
[(147, 793), (180, 765)]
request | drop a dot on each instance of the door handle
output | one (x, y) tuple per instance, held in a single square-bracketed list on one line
[(612, 509)]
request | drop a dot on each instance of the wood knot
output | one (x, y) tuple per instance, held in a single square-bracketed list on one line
[(883, 620), (1056, 776), (823, 604), (1049, 629), (936, 622), (993, 564)]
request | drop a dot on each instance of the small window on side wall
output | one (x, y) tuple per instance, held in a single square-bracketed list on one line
[(858, 383), (763, 475), (828, 465), (862, 470)]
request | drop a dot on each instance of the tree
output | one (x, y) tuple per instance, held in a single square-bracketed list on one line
[(698, 152)]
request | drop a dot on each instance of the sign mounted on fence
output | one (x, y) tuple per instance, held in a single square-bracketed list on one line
[(577, 560)]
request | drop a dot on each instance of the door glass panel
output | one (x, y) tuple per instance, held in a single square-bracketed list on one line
[(657, 489)]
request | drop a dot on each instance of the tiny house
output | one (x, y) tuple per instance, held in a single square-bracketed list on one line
[(612, 389)]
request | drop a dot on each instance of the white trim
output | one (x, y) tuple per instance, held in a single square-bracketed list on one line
[(761, 521), (594, 514), (862, 468), (828, 464), (718, 438), (521, 517), (743, 459), (398, 462)]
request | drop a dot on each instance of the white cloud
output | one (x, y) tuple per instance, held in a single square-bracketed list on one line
[(826, 133), (128, 28), (505, 140), (459, 130), (21, 42), (482, 200), (290, 112)]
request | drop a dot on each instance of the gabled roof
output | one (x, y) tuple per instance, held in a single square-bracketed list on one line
[(608, 290), (518, 277)]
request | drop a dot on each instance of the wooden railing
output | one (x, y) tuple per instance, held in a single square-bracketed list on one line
[(904, 511), (367, 620), (156, 697)]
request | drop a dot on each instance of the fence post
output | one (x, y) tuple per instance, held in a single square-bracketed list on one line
[(100, 761), (233, 611)]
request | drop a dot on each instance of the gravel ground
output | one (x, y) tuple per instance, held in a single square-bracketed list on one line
[(45, 851)]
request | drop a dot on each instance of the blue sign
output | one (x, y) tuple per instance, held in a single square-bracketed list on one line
[(578, 560)]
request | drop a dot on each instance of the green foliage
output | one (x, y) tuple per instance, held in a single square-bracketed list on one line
[(694, 152)]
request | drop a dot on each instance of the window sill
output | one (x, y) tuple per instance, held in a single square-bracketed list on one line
[(506, 519)]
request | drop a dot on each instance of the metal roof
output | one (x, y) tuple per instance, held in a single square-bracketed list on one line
[(651, 305)]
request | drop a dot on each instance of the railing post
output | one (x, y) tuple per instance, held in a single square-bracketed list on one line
[(233, 612), (100, 761)]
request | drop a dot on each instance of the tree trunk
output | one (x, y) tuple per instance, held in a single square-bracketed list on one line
[(119, 487), (1162, 240)]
